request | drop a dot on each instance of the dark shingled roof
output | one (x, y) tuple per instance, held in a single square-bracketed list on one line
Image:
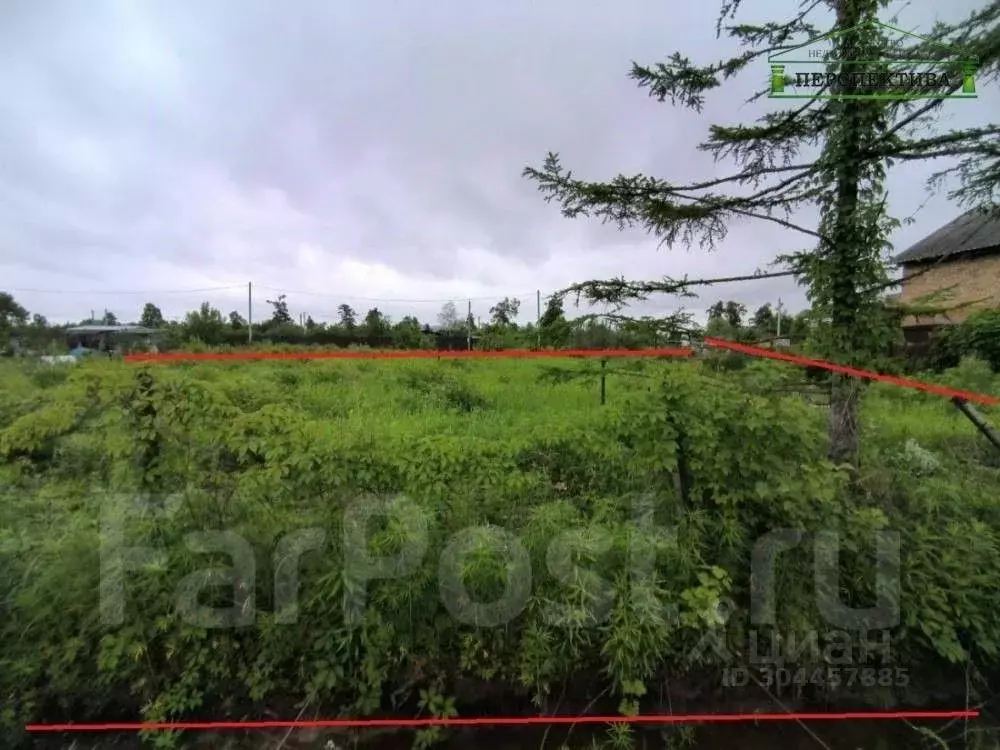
[(972, 231)]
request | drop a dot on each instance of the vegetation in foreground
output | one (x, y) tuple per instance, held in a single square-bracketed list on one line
[(265, 450)]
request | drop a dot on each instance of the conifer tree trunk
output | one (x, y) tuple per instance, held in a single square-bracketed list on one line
[(845, 428), (847, 246)]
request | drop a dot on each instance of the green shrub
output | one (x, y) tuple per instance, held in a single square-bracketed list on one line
[(978, 336), (585, 490), (48, 376), (972, 374)]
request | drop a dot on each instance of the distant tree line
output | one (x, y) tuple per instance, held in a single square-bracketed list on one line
[(209, 326)]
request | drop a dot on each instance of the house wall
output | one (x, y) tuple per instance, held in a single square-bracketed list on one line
[(972, 278)]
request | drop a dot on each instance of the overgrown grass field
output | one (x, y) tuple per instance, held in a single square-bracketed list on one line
[(510, 471)]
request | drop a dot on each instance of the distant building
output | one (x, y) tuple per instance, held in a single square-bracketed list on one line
[(107, 338), (453, 340), (961, 263)]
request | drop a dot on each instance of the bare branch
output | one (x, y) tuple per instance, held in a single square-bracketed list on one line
[(780, 222)]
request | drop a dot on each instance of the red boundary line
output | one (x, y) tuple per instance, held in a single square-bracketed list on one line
[(918, 385), (752, 351), (501, 721), (406, 354)]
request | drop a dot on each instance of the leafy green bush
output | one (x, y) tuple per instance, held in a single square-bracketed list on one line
[(582, 491), (447, 391), (978, 336), (972, 374)]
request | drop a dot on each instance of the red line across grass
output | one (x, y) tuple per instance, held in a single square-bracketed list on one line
[(753, 351), (406, 354), (208, 726)]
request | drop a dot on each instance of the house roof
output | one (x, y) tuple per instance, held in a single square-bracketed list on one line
[(972, 231)]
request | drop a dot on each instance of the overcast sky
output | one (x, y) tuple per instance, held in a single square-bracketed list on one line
[(358, 151)]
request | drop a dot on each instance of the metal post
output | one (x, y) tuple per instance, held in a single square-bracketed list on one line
[(604, 364), (977, 419), (249, 312)]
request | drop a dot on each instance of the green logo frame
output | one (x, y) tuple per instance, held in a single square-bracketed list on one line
[(779, 80)]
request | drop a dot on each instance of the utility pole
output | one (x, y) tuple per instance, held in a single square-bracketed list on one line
[(468, 327), (249, 312), (779, 317), (538, 315)]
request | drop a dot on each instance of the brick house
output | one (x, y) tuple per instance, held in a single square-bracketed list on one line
[(957, 267)]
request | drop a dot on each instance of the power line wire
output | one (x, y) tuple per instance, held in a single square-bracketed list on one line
[(692, 282), (130, 291), (333, 295)]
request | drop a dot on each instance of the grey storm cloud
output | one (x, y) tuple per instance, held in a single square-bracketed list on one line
[(368, 150)]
